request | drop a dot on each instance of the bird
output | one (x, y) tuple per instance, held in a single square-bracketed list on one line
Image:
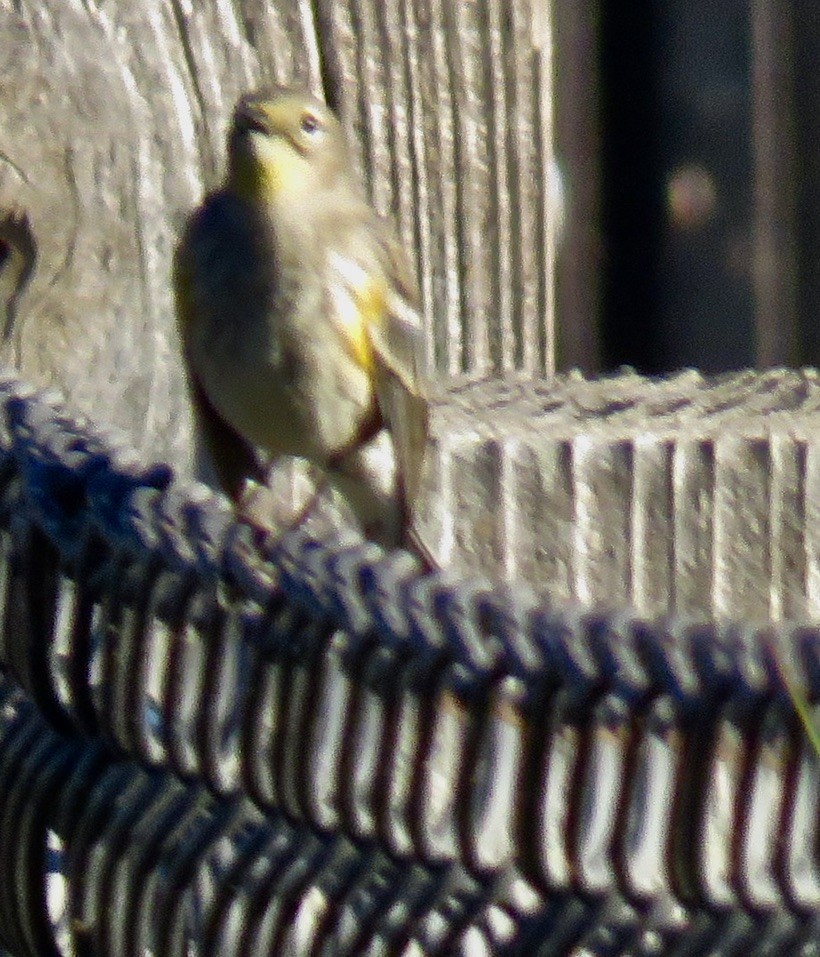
[(299, 317)]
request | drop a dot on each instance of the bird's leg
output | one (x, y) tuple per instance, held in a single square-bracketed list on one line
[(297, 493)]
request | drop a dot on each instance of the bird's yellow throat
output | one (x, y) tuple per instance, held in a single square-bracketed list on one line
[(272, 170)]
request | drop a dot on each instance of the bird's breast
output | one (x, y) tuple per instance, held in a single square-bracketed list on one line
[(281, 344), (278, 371)]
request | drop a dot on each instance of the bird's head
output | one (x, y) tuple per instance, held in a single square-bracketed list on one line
[(285, 145)]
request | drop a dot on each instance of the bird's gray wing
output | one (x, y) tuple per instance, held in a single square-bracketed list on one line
[(398, 344)]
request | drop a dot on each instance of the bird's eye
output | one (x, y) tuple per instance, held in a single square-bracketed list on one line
[(251, 124), (310, 124)]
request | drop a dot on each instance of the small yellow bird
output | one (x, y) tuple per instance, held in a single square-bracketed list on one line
[(298, 316)]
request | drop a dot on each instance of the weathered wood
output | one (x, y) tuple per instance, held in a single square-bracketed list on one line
[(688, 495), (112, 117)]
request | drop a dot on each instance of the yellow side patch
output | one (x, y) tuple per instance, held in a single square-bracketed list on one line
[(372, 299), (358, 343), (361, 304)]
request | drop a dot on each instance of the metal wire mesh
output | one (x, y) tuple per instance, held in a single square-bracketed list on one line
[(484, 772)]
